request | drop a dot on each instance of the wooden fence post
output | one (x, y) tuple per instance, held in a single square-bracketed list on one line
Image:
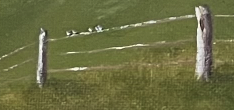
[(204, 43), (42, 58)]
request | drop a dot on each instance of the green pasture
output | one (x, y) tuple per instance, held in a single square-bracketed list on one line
[(155, 77)]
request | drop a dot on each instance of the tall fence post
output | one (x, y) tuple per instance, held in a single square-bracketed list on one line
[(204, 43), (42, 58)]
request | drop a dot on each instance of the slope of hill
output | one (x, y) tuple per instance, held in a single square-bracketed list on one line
[(157, 76)]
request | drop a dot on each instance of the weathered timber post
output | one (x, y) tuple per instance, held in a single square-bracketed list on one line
[(204, 43), (42, 58)]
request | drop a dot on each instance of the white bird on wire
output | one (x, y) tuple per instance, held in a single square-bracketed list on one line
[(69, 33), (90, 30), (74, 32), (98, 28)]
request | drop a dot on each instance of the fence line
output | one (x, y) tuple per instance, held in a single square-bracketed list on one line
[(129, 46), (94, 51), (15, 51), (146, 23), (141, 24), (230, 40), (16, 65), (106, 67), (69, 69), (169, 19), (105, 49), (225, 16)]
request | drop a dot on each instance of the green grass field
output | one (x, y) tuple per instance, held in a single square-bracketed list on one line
[(155, 77)]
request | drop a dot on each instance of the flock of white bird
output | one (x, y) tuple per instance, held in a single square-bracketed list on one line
[(97, 28)]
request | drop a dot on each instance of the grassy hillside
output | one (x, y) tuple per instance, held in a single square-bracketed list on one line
[(158, 76)]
